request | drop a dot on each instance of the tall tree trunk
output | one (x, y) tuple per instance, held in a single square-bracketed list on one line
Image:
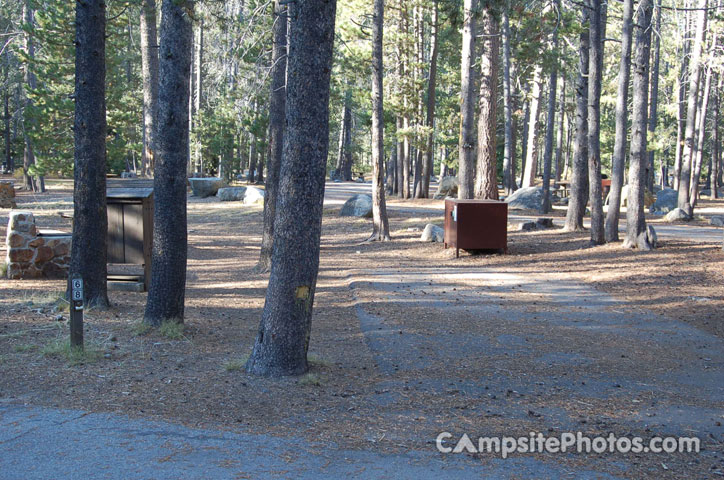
[(531, 160), (701, 118), (681, 111), (508, 149), (579, 171), (198, 70), (430, 115), (559, 134), (689, 152), (487, 179), (618, 163), (637, 235), (526, 124), (467, 139), (277, 108), (6, 115), (716, 145), (381, 227), (550, 125), (654, 103), (283, 339), (30, 183), (595, 64), (253, 157), (168, 274), (90, 219), (149, 73)]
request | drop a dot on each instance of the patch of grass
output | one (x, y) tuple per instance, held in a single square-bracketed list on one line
[(236, 364), (24, 348), (73, 355), (3, 269), (310, 379), (46, 299), (316, 360), (172, 330), (140, 328)]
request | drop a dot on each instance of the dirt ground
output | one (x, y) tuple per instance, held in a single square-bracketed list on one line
[(198, 379)]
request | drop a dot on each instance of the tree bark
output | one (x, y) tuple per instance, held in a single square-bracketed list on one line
[(618, 162), (6, 117), (487, 179), (149, 73), (508, 149), (283, 339), (689, 152), (427, 166), (381, 227), (559, 134), (637, 235), (701, 118), (716, 147), (654, 103), (579, 171), (550, 125), (277, 108), (198, 70), (168, 274), (467, 141), (30, 183), (595, 64), (531, 151), (90, 219)]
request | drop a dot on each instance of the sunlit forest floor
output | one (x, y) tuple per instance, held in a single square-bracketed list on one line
[(407, 341)]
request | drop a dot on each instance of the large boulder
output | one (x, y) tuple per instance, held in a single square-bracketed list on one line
[(7, 190), (359, 205), (677, 215), (448, 187), (528, 198), (666, 201), (432, 233), (205, 187), (231, 194), (717, 221), (254, 196)]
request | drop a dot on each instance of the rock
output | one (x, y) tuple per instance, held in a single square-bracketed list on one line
[(544, 223), (205, 187), (432, 233), (16, 240), (717, 221), (359, 180), (651, 235), (448, 187), (677, 215), (231, 194), (529, 198), (527, 226), (359, 205), (254, 196), (666, 201), (7, 190)]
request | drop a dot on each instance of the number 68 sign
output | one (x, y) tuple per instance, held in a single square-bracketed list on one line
[(76, 289)]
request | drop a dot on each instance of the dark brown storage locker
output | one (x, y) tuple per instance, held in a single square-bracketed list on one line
[(476, 225), (130, 234)]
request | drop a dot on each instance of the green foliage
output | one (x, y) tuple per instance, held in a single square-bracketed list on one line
[(172, 330), (61, 347)]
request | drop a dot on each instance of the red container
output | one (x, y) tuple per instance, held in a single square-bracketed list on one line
[(476, 225)]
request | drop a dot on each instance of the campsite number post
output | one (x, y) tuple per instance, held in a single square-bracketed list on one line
[(76, 312)]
